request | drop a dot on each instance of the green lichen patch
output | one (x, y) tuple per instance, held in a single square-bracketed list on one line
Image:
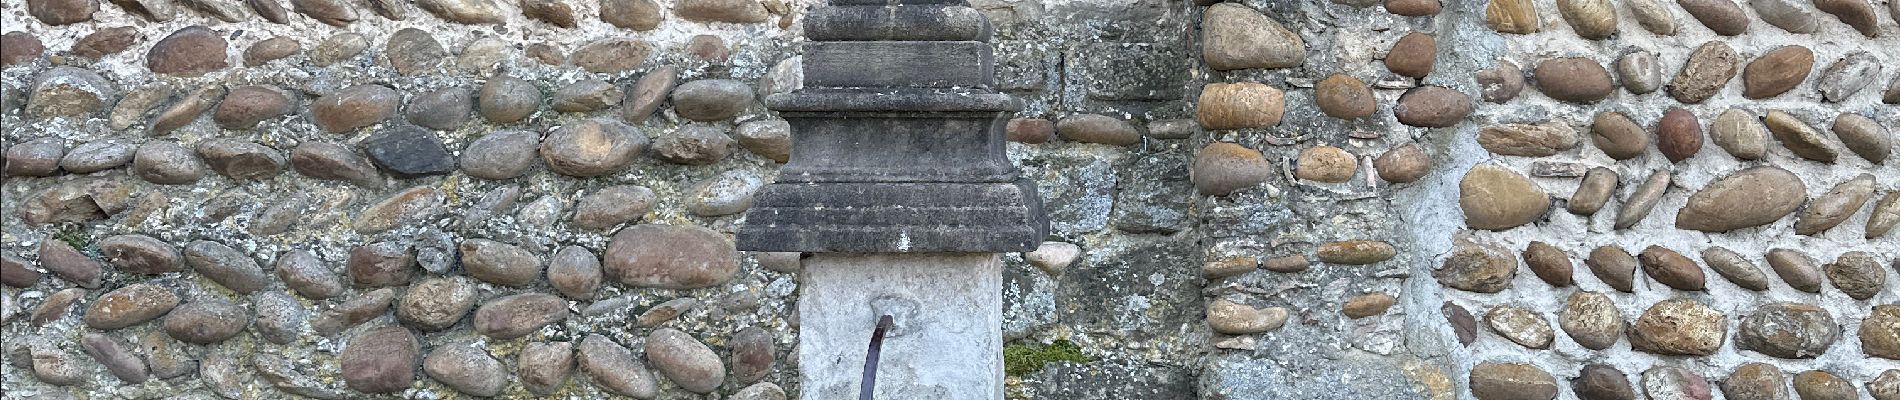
[(1023, 359)]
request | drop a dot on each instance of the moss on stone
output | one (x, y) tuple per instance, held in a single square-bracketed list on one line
[(73, 235), (1023, 359)]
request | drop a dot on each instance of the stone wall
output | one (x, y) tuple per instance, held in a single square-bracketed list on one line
[(1248, 200)]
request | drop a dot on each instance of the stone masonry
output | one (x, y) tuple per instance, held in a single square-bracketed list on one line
[(1328, 199)]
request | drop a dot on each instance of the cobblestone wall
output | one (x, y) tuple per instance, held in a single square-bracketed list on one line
[(1248, 200)]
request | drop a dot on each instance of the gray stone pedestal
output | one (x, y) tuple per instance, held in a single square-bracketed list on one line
[(946, 342)]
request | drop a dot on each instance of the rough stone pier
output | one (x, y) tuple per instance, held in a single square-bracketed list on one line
[(1246, 199)]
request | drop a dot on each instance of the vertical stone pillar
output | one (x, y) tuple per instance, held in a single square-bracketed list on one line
[(898, 180)]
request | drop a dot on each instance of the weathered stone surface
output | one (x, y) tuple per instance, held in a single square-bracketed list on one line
[(505, 99), (1413, 55), (1740, 133), (303, 272), (62, 260), (1855, 13), (684, 360), (1463, 325), (1674, 383), (1722, 16), (1789, 15), (1413, 8), (467, 368), (1602, 382), (354, 107), (192, 51), (106, 41), (639, 15), (1639, 71), (592, 147), (37, 157), (1496, 198), (553, 12), (1777, 71), (381, 264), (1591, 319), (129, 305), (1672, 269), (501, 155), (772, 138), (1822, 385), (1880, 332), (499, 263), (226, 266), (1223, 168), (246, 106), (1796, 269), (1355, 252), (1756, 381), (1748, 198), (1240, 105), (1345, 97), (353, 311), (280, 318), (1848, 76), (14, 272), (207, 320), (1708, 69), (444, 109), (1325, 164), (611, 56), (1864, 137), (62, 12), (1224, 267), (463, 11), (1528, 140), (612, 206), (1232, 318), (544, 366), (1836, 206), (1404, 164), (728, 193), (1593, 192), (518, 315), (1679, 134), (1590, 19), (408, 152), (1095, 128), (412, 51), (52, 365), (615, 369), (1736, 268), (116, 357), (1512, 16), (646, 94), (1549, 263), (1887, 385), (241, 160), (1858, 274), (1501, 381), (70, 92), (734, 11), (1679, 327), (436, 303), (19, 48), (1614, 268), (1520, 326), (1432, 106), (1574, 79), (1234, 36), (88, 157), (267, 50), (1502, 83), (1477, 267), (331, 161), (380, 360), (1799, 137), (1788, 330), (695, 144), (587, 95), (1368, 305), (1885, 216), (329, 12), (670, 256)]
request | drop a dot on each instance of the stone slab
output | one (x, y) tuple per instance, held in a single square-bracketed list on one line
[(947, 340)]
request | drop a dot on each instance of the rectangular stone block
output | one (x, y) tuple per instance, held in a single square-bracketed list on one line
[(901, 23), (946, 342), (898, 64)]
